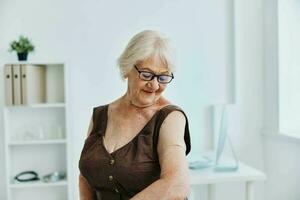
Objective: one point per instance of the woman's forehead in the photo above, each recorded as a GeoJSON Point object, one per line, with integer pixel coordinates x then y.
{"type": "Point", "coordinates": [156, 65]}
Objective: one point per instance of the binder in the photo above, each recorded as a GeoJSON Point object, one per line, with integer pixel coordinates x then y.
{"type": "Point", "coordinates": [8, 85]}
{"type": "Point", "coordinates": [16, 85]}
{"type": "Point", "coordinates": [33, 84]}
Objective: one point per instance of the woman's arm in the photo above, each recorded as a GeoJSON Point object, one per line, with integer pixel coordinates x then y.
{"type": "Point", "coordinates": [174, 180]}
{"type": "Point", "coordinates": [85, 190]}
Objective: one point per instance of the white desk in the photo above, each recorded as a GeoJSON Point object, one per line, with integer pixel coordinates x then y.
{"type": "Point", "coordinates": [209, 177]}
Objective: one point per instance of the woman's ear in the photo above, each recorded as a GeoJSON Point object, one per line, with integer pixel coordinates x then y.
{"type": "Point", "coordinates": [127, 73]}
{"type": "Point", "coordinates": [125, 76]}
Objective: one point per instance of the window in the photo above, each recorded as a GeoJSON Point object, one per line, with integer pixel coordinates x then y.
{"type": "Point", "coordinates": [289, 66]}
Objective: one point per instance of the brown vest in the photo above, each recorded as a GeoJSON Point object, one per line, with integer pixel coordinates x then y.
{"type": "Point", "coordinates": [128, 170]}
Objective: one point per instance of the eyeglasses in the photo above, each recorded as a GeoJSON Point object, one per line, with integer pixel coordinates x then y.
{"type": "Point", "coordinates": [149, 76]}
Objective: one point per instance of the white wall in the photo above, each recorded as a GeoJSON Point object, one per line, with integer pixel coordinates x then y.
{"type": "Point", "coordinates": [271, 101]}
{"type": "Point", "coordinates": [89, 36]}
{"type": "Point", "coordinates": [249, 79]}
{"type": "Point", "coordinates": [280, 151]}
{"type": "Point", "coordinates": [249, 73]}
{"type": "Point", "coordinates": [282, 167]}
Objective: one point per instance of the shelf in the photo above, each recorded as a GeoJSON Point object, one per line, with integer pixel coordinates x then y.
{"type": "Point", "coordinates": [39, 105]}
{"type": "Point", "coordinates": [37, 142]}
{"type": "Point", "coordinates": [35, 128]}
{"type": "Point", "coordinates": [38, 184]}
{"type": "Point", "coordinates": [35, 63]}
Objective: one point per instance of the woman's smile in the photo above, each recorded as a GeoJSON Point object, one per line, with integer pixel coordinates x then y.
{"type": "Point", "coordinates": [149, 92]}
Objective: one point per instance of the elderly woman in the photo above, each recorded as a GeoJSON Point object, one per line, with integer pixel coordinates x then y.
{"type": "Point", "coordinates": [137, 145]}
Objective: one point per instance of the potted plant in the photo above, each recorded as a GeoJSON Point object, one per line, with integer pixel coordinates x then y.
{"type": "Point", "coordinates": [23, 46]}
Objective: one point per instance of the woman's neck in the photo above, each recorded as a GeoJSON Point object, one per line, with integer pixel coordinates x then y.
{"type": "Point", "coordinates": [131, 106]}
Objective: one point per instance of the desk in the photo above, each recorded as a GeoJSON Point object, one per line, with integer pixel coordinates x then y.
{"type": "Point", "coordinates": [209, 177]}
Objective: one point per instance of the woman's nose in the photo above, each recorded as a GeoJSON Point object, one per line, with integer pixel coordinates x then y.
{"type": "Point", "coordinates": [154, 84]}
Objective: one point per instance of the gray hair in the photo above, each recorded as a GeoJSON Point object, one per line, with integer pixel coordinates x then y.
{"type": "Point", "coordinates": [144, 45]}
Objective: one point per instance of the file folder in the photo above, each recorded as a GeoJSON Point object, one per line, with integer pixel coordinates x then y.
{"type": "Point", "coordinates": [33, 84]}
{"type": "Point", "coordinates": [16, 85]}
{"type": "Point", "coordinates": [8, 73]}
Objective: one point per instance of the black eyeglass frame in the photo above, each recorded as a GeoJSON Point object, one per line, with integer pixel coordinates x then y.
{"type": "Point", "coordinates": [154, 75]}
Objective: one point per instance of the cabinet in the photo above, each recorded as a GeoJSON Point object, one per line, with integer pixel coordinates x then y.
{"type": "Point", "coordinates": [35, 132]}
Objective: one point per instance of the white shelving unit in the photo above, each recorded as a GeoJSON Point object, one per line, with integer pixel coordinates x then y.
{"type": "Point", "coordinates": [36, 139]}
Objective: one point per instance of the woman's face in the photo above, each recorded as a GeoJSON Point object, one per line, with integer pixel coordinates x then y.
{"type": "Point", "coordinates": [146, 93]}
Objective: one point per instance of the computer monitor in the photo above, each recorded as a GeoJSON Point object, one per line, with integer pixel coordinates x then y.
{"type": "Point", "coordinates": [223, 137]}
{"type": "Point", "coordinates": [207, 161]}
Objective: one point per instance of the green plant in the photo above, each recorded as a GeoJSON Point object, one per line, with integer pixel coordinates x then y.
{"type": "Point", "coordinates": [23, 45]}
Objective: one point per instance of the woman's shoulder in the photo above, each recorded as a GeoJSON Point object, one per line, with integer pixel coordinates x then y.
{"type": "Point", "coordinates": [100, 107]}
{"type": "Point", "coordinates": [171, 107]}
{"type": "Point", "coordinates": [171, 116]}
{"type": "Point", "coordinates": [172, 112]}
{"type": "Point", "coordinates": [111, 105]}
{"type": "Point", "coordinates": [105, 108]}
{"type": "Point", "coordinates": [167, 105]}
{"type": "Point", "coordinates": [99, 111]}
